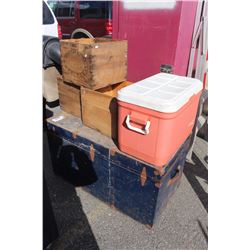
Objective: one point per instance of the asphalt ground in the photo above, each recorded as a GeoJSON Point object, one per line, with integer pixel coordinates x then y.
{"type": "Point", "coordinates": [84, 222]}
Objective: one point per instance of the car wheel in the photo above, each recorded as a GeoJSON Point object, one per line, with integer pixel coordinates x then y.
{"type": "Point", "coordinates": [80, 35]}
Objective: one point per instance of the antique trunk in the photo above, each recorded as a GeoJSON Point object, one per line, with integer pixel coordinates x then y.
{"type": "Point", "coordinates": [86, 158]}
{"type": "Point", "coordinates": [94, 62]}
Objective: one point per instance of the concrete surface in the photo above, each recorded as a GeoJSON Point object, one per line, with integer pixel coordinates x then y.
{"type": "Point", "coordinates": [84, 222]}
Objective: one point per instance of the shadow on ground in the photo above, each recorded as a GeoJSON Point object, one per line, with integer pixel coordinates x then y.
{"type": "Point", "coordinates": [72, 225]}
{"type": "Point", "coordinates": [192, 171]}
{"type": "Point", "coordinates": [203, 230]}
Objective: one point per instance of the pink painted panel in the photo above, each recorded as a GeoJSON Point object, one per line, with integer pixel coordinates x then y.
{"type": "Point", "coordinates": [153, 36]}
{"type": "Point", "coordinates": [184, 40]}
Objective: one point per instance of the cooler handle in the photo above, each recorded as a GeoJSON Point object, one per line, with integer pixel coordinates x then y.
{"type": "Point", "coordinates": [144, 132]}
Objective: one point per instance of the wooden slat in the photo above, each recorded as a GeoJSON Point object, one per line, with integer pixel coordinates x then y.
{"type": "Point", "coordinates": [99, 111]}
{"type": "Point", "coordinates": [69, 98]}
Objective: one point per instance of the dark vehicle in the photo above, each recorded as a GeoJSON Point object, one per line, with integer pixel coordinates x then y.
{"type": "Point", "coordinates": [83, 18]}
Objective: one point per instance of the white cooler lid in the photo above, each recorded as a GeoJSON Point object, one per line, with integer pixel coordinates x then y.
{"type": "Point", "coordinates": [161, 92]}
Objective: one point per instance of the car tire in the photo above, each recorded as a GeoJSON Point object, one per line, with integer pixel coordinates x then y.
{"type": "Point", "coordinates": [81, 33]}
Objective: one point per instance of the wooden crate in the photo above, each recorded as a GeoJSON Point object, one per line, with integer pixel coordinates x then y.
{"type": "Point", "coordinates": [69, 97]}
{"type": "Point", "coordinates": [99, 108]}
{"type": "Point", "coordinates": [94, 63]}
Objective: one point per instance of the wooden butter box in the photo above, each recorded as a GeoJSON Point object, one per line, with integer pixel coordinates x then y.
{"type": "Point", "coordinates": [94, 62]}
{"type": "Point", "coordinates": [99, 108]}
{"type": "Point", "coordinates": [96, 108]}
{"type": "Point", "coordinates": [91, 160]}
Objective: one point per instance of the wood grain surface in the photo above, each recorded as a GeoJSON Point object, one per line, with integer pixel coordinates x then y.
{"type": "Point", "coordinates": [94, 63]}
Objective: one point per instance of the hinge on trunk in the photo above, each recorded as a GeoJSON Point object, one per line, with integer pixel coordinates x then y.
{"type": "Point", "coordinates": [92, 152]}
{"type": "Point", "coordinates": [143, 176]}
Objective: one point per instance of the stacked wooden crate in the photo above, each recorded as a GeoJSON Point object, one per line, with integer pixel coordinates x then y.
{"type": "Point", "coordinates": [93, 70]}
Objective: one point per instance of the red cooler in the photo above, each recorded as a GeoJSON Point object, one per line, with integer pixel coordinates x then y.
{"type": "Point", "coordinates": [156, 115]}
